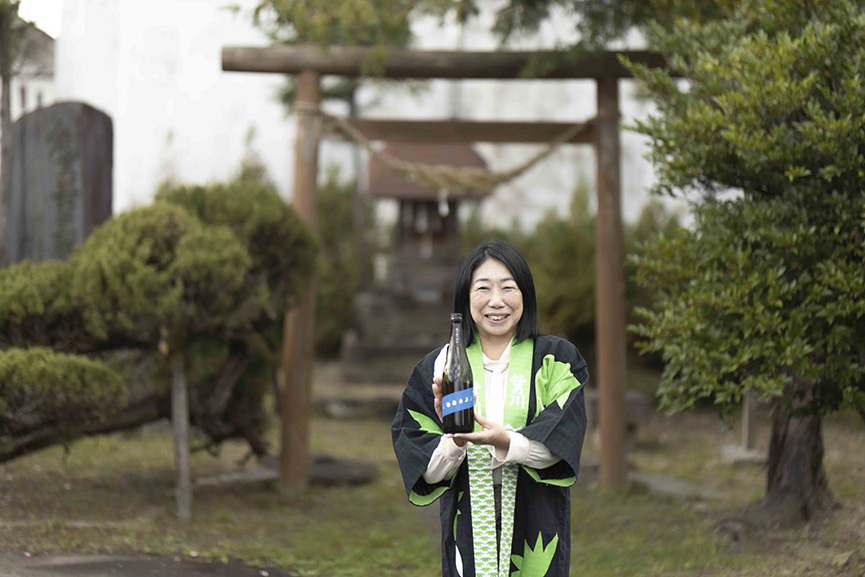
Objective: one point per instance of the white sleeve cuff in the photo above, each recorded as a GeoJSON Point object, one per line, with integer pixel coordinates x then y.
{"type": "Point", "coordinates": [519, 449]}
{"type": "Point", "coordinates": [450, 450]}
{"type": "Point", "coordinates": [524, 451]}
{"type": "Point", "coordinates": [445, 461]}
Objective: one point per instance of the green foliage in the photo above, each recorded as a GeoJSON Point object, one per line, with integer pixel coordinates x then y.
{"type": "Point", "coordinates": [281, 247]}
{"type": "Point", "coordinates": [209, 271]}
{"type": "Point", "coordinates": [381, 23]}
{"type": "Point", "coordinates": [770, 283]}
{"type": "Point", "coordinates": [561, 253]}
{"type": "Point", "coordinates": [279, 256]}
{"type": "Point", "coordinates": [37, 308]}
{"type": "Point", "coordinates": [187, 263]}
{"type": "Point", "coordinates": [653, 221]}
{"type": "Point", "coordinates": [211, 266]}
{"type": "Point", "coordinates": [339, 267]}
{"type": "Point", "coordinates": [375, 23]}
{"type": "Point", "coordinates": [562, 256]}
{"type": "Point", "coordinates": [792, 93]}
{"type": "Point", "coordinates": [38, 386]}
{"type": "Point", "coordinates": [328, 22]}
{"type": "Point", "coordinates": [121, 279]}
{"type": "Point", "coordinates": [598, 23]}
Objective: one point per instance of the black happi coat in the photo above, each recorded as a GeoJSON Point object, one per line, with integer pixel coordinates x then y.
{"type": "Point", "coordinates": [556, 417]}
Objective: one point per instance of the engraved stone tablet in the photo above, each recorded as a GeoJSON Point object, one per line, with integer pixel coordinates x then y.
{"type": "Point", "coordinates": [61, 180]}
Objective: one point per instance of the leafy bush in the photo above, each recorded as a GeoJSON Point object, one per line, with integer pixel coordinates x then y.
{"type": "Point", "coordinates": [561, 253]}
{"type": "Point", "coordinates": [207, 271]}
{"type": "Point", "coordinates": [281, 247]}
{"type": "Point", "coordinates": [121, 278]}
{"type": "Point", "coordinates": [36, 308]}
{"type": "Point", "coordinates": [40, 387]}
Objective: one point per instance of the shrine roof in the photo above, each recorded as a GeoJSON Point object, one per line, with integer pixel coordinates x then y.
{"type": "Point", "coordinates": [387, 183]}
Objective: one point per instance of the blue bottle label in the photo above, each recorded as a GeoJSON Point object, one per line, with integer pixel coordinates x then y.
{"type": "Point", "coordinates": [458, 401]}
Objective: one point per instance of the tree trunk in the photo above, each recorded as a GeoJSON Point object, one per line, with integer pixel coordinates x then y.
{"type": "Point", "coordinates": [150, 410]}
{"type": "Point", "coordinates": [6, 16]}
{"type": "Point", "coordinates": [797, 488]}
{"type": "Point", "coordinates": [149, 401]}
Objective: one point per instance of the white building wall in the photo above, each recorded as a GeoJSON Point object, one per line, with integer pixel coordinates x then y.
{"type": "Point", "coordinates": [28, 94]}
{"type": "Point", "coordinates": [32, 83]}
{"type": "Point", "coordinates": [155, 68]}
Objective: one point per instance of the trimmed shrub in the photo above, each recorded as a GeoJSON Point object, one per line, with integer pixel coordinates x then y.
{"type": "Point", "coordinates": [42, 388]}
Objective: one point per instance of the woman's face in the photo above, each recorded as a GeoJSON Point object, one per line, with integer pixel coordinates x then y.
{"type": "Point", "coordinates": [495, 300]}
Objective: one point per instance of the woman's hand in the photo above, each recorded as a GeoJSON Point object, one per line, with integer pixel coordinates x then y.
{"type": "Point", "coordinates": [490, 434]}
{"type": "Point", "coordinates": [437, 392]}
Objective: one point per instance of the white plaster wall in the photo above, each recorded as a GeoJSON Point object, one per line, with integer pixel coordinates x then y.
{"type": "Point", "coordinates": [38, 90]}
{"type": "Point", "coordinates": [155, 68]}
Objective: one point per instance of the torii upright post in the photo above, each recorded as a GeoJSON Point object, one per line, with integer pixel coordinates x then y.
{"type": "Point", "coordinates": [610, 291]}
{"type": "Point", "coordinates": [299, 323]}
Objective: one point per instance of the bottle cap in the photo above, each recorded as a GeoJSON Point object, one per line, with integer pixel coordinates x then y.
{"type": "Point", "coordinates": [456, 317]}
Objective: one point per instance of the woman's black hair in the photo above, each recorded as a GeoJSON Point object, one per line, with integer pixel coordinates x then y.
{"type": "Point", "coordinates": [527, 327]}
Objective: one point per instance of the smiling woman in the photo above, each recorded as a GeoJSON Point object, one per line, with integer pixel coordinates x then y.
{"type": "Point", "coordinates": [496, 304]}
{"type": "Point", "coordinates": [505, 504]}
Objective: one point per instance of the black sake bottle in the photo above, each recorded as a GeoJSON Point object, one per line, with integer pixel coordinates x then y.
{"type": "Point", "coordinates": [458, 415]}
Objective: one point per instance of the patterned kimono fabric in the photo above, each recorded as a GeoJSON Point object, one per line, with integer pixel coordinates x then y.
{"type": "Point", "coordinates": [487, 563]}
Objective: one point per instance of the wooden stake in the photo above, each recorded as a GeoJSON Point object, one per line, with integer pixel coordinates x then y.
{"type": "Point", "coordinates": [610, 291]}
{"type": "Point", "coordinates": [299, 323]}
{"type": "Point", "coordinates": [180, 428]}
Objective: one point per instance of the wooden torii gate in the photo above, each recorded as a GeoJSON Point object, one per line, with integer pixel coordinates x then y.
{"type": "Point", "coordinates": [309, 63]}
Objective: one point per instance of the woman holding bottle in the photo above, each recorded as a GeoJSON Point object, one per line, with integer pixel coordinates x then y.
{"type": "Point", "coordinates": [503, 488]}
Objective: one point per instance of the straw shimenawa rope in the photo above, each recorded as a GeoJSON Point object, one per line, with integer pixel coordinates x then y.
{"type": "Point", "coordinates": [459, 181]}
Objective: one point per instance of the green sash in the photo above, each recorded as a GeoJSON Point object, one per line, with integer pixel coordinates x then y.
{"type": "Point", "coordinates": [517, 388]}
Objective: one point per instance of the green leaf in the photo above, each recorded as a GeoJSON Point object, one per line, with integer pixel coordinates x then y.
{"type": "Point", "coordinates": [426, 424]}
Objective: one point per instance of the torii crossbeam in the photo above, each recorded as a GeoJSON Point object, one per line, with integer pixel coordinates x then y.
{"type": "Point", "coordinates": [309, 63]}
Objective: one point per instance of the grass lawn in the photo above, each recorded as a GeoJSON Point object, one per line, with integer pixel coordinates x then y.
{"type": "Point", "coordinates": [113, 494]}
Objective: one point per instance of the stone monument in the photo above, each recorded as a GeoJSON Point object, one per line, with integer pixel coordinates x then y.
{"type": "Point", "coordinates": [60, 180]}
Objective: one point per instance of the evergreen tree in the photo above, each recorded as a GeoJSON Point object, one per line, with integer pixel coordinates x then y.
{"type": "Point", "coordinates": [767, 291]}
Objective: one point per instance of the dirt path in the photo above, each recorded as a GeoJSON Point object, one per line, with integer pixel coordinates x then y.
{"type": "Point", "coordinates": [12, 565]}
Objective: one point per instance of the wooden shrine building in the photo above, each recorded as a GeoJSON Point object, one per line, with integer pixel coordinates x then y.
{"type": "Point", "coordinates": [405, 315]}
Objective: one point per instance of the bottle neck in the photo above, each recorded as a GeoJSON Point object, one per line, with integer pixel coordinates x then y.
{"type": "Point", "coordinates": [456, 333]}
